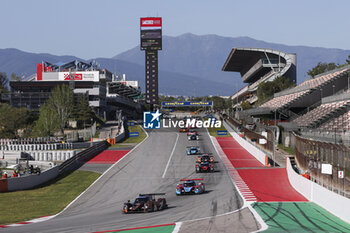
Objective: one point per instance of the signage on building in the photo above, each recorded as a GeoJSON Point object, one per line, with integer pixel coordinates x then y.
{"type": "Point", "coordinates": [134, 84]}
{"type": "Point", "coordinates": [151, 33]}
{"type": "Point", "coordinates": [79, 76]}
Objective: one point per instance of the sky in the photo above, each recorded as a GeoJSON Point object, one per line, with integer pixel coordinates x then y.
{"type": "Point", "coordinates": [104, 28]}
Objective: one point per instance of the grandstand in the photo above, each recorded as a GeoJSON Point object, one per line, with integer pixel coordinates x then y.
{"type": "Point", "coordinates": [256, 66]}
{"type": "Point", "coordinates": [317, 108]}
{"type": "Point", "coordinates": [294, 102]}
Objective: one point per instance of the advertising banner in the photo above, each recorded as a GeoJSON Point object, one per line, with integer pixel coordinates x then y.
{"type": "Point", "coordinates": [187, 103]}
{"type": "Point", "coordinates": [79, 76]}
{"type": "Point", "coordinates": [151, 33]}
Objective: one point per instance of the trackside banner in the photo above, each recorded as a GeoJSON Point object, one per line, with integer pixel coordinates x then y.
{"type": "Point", "coordinates": [186, 103]}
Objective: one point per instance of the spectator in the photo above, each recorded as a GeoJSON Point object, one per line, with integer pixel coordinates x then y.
{"type": "Point", "coordinates": [4, 176]}
{"type": "Point", "coordinates": [14, 174]}
{"type": "Point", "coordinates": [31, 169]}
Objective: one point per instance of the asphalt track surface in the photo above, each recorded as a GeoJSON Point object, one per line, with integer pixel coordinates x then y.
{"type": "Point", "coordinates": [141, 171]}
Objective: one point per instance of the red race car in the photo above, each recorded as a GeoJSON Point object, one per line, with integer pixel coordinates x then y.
{"type": "Point", "coordinates": [183, 129]}
{"type": "Point", "coordinates": [145, 203]}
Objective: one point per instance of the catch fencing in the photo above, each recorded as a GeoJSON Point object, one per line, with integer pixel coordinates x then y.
{"type": "Point", "coordinates": [311, 154]}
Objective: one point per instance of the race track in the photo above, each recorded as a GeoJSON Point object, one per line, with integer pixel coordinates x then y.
{"type": "Point", "coordinates": [142, 171]}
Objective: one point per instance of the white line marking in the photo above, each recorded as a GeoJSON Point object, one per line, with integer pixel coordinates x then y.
{"type": "Point", "coordinates": [177, 227]}
{"type": "Point", "coordinates": [171, 155]}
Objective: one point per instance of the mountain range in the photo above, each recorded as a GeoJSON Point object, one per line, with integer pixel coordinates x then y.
{"type": "Point", "coordinates": [188, 64]}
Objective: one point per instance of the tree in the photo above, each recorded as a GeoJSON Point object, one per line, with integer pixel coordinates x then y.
{"type": "Point", "coordinates": [246, 105]}
{"type": "Point", "coordinates": [82, 111]}
{"type": "Point", "coordinates": [46, 125]}
{"type": "Point", "coordinates": [12, 120]}
{"type": "Point", "coordinates": [267, 89]}
{"type": "Point", "coordinates": [62, 102]}
{"type": "Point", "coordinates": [321, 68]}
{"type": "Point", "coordinates": [348, 60]}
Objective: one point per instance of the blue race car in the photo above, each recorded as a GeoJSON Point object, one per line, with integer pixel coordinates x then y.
{"type": "Point", "coordinates": [190, 187]}
{"type": "Point", "coordinates": [193, 150]}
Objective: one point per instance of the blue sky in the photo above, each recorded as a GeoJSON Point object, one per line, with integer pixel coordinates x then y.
{"type": "Point", "coordinates": [104, 28]}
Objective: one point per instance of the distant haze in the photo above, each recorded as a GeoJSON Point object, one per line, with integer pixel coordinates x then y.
{"type": "Point", "coordinates": [188, 64]}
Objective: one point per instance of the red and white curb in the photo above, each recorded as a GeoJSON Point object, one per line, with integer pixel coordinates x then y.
{"type": "Point", "coordinates": [242, 188]}
{"type": "Point", "coordinates": [247, 194]}
{"type": "Point", "coordinates": [41, 219]}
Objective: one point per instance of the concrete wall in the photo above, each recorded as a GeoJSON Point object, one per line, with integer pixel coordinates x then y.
{"type": "Point", "coordinates": [258, 154]}
{"type": "Point", "coordinates": [30, 181]}
{"type": "Point", "coordinates": [334, 203]}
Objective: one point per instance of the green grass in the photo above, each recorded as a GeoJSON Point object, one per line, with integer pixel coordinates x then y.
{"type": "Point", "coordinates": [140, 138]}
{"type": "Point", "coordinates": [214, 131]}
{"type": "Point", "coordinates": [289, 150]}
{"type": "Point", "coordinates": [47, 200]}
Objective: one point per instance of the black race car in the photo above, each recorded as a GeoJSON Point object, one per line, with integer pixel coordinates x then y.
{"type": "Point", "coordinates": [205, 163]}
{"type": "Point", "coordinates": [192, 137]}
{"type": "Point", "coordinates": [145, 203]}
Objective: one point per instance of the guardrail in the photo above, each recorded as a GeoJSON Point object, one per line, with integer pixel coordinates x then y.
{"type": "Point", "coordinates": [76, 161]}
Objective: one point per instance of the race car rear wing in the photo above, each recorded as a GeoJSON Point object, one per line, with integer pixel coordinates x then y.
{"type": "Point", "coordinates": [192, 146]}
{"type": "Point", "coordinates": [151, 194]}
{"type": "Point", "coordinates": [191, 179]}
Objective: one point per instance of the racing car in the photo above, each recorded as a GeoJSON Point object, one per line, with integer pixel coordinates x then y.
{"type": "Point", "coordinates": [190, 187]}
{"type": "Point", "coordinates": [183, 129]}
{"type": "Point", "coordinates": [192, 137]}
{"type": "Point", "coordinates": [192, 132]}
{"type": "Point", "coordinates": [205, 163]}
{"type": "Point", "coordinates": [193, 150]}
{"type": "Point", "coordinates": [145, 203]}
{"type": "Point", "coordinates": [205, 157]}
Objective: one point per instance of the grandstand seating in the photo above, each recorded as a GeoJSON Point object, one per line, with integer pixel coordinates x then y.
{"type": "Point", "coordinates": [320, 113]}
{"type": "Point", "coordinates": [318, 81]}
{"type": "Point", "coordinates": [282, 101]}
{"type": "Point", "coordinates": [289, 96]}
{"type": "Point", "coordinates": [340, 123]}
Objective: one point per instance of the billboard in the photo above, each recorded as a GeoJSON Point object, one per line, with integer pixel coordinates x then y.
{"type": "Point", "coordinates": [79, 76]}
{"type": "Point", "coordinates": [134, 84]}
{"type": "Point", "coordinates": [151, 33]}
{"type": "Point", "coordinates": [187, 103]}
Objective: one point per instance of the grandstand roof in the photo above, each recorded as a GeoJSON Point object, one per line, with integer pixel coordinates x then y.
{"type": "Point", "coordinates": [254, 63]}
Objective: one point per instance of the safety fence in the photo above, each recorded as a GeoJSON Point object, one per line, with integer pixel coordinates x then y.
{"type": "Point", "coordinates": [311, 155]}
{"type": "Point", "coordinates": [78, 159]}
{"type": "Point", "coordinates": [253, 136]}
{"type": "Point", "coordinates": [24, 141]}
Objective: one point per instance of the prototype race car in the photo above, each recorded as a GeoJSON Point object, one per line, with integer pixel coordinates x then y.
{"type": "Point", "coordinates": [204, 167]}
{"type": "Point", "coordinates": [205, 163]}
{"type": "Point", "coordinates": [145, 203]}
{"type": "Point", "coordinates": [192, 137]}
{"type": "Point", "coordinates": [193, 150]}
{"type": "Point", "coordinates": [183, 129]}
{"type": "Point", "coordinates": [192, 132]}
{"type": "Point", "coordinates": [205, 158]}
{"type": "Point", "coordinates": [190, 187]}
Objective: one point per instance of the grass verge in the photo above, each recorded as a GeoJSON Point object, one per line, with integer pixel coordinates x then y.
{"type": "Point", "coordinates": [140, 138]}
{"type": "Point", "coordinates": [214, 131]}
{"type": "Point", "coordinates": [46, 200]}
{"type": "Point", "coordinates": [289, 150]}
